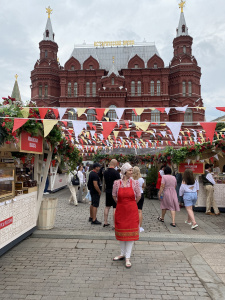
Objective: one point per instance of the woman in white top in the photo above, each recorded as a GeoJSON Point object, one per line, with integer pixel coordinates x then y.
{"type": "Point", "coordinates": [137, 176]}
{"type": "Point", "coordinates": [81, 179]}
{"type": "Point", "coordinates": [189, 191]}
{"type": "Point", "coordinates": [73, 197]}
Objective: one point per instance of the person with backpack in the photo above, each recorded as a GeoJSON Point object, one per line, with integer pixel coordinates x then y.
{"type": "Point", "coordinates": [71, 179]}
{"type": "Point", "coordinates": [189, 191]}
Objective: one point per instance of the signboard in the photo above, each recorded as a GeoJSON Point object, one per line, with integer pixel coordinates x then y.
{"type": "Point", "coordinates": [197, 168]}
{"type": "Point", "coordinates": [6, 222]}
{"type": "Point", "coordinates": [31, 144]}
{"type": "Point", "coordinates": [114, 43]}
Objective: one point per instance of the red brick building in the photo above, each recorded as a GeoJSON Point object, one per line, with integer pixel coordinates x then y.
{"type": "Point", "coordinates": [120, 76]}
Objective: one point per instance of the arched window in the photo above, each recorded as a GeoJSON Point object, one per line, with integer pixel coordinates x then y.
{"type": "Point", "coordinates": [75, 89]}
{"type": "Point", "coordinates": [112, 113]}
{"type": "Point", "coordinates": [184, 88]}
{"type": "Point", "coordinates": [72, 115]}
{"type": "Point", "coordinates": [47, 33]}
{"type": "Point", "coordinates": [136, 66]}
{"type": "Point", "coordinates": [72, 68]}
{"type": "Point", "coordinates": [155, 66]}
{"type": "Point", "coordinates": [188, 117]}
{"type": "Point", "coordinates": [158, 88]}
{"type": "Point", "coordinates": [132, 88]}
{"type": "Point", "coordinates": [113, 81]}
{"type": "Point", "coordinates": [40, 91]}
{"type": "Point", "coordinates": [91, 115]}
{"type": "Point", "coordinates": [139, 88]}
{"type": "Point", "coordinates": [184, 49]}
{"type": "Point", "coordinates": [155, 116]}
{"type": "Point", "coordinates": [46, 90]}
{"type": "Point", "coordinates": [46, 53]}
{"type": "Point", "coordinates": [152, 88]}
{"type": "Point", "coordinates": [93, 89]}
{"type": "Point", "coordinates": [69, 89]}
{"type": "Point", "coordinates": [183, 28]}
{"type": "Point", "coordinates": [87, 89]}
{"type": "Point", "coordinates": [189, 88]}
{"type": "Point", "coordinates": [135, 118]}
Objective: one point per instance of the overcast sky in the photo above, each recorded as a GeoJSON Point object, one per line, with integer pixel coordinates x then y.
{"type": "Point", "coordinates": [22, 24]}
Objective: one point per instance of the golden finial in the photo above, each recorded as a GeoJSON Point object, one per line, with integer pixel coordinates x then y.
{"type": "Point", "coordinates": [49, 11]}
{"type": "Point", "coordinates": [57, 59]}
{"type": "Point", "coordinates": [16, 76]}
{"type": "Point", "coordinates": [113, 59]}
{"type": "Point", "coordinates": [181, 5]}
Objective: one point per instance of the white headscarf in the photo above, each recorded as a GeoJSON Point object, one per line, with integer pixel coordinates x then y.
{"type": "Point", "coordinates": [125, 167]}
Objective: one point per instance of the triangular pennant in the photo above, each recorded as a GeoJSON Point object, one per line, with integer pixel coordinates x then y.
{"type": "Point", "coordinates": [48, 125]}
{"type": "Point", "coordinates": [161, 109]}
{"type": "Point", "coordinates": [80, 111]}
{"type": "Point", "coordinates": [119, 112]}
{"type": "Point", "coordinates": [220, 108]}
{"type": "Point", "coordinates": [25, 112]}
{"type": "Point", "coordinates": [116, 133]}
{"type": "Point", "coordinates": [78, 126]}
{"type": "Point", "coordinates": [182, 109]}
{"type": "Point", "coordinates": [92, 133]}
{"type": "Point", "coordinates": [100, 113]}
{"type": "Point", "coordinates": [42, 112]}
{"type": "Point", "coordinates": [61, 111]}
{"type": "Point", "coordinates": [18, 123]}
{"type": "Point", "coordinates": [106, 110]}
{"type": "Point", "coordinates": [127, 123]}
{"type": "Point", "coordinates": [127, 133]}
{"type": "Point", "coordinates": [209, 128]}
{"type": "Point", "coordinates": [175, 129]}
{"type": "Point", "coordinates": [139, 133]}
{"type": "Point", "coordinates": [142, 125]}
{"type": "Point", "coordinates": [167, 110]}
{"type": "Point", "coordinates": [139, 111]}
{"type": "Point", "coordinates": [163, 133]}
{"type": "Point", "coordinates": [65, 123]}
{"type": "Point", "coordinates": [56, 112]}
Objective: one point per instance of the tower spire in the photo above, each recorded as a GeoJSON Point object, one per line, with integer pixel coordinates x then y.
{"type": "Point", "coordinates": [48, 34]}
{"type": "Point", "coordinates": [16, 90]}
{"type": "Point", "coordinates": [182, 27]}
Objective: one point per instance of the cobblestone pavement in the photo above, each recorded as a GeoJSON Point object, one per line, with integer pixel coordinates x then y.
{"type": "Point", "coordinates": [80, 266]}
{"type": "Point", "coordinates": [83, 269]}
{"type": "Point", "coordinates": [72, 217]}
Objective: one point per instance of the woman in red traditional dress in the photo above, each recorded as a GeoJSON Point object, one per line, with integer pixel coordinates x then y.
{"type": "Point", "coordinates": [126, 192]}
{"type": "Point", "coordinates": [160, 175]}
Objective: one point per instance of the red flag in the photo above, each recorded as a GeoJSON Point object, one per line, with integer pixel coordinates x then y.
{"type": "Point", "coordinates": [212, 159]}
{"type": "Point", "coordinates": [23, 159]}
{"type": "Point", "coordinates": [220, 108]}
{"type": "Point", "coordinates": [90, 124]}
{"type": "Point", "coordinates": [56, 112]}
{"type": "Point", "coordinates": [42, 112]}
{"type": "Point", "coordinates": [65, 123]}
{"type": "Point", "coordinates": [18, 123]}
{"type": "Point", "coordinates": [134, 111]}
{"type": "Point", "coordinates": [108, 128]}
{"type": "Point", "coordinates": [139, 133]}
{"type": "Point", "coordinates": [161, 109]}
{"type": "Point", "coordinates": [100, 113]}
{"type": "Point", "coordinates": [127, 123]}
{"type": "Point", "coordinates": [209, 128]}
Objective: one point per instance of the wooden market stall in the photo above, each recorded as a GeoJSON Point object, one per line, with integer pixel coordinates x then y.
{"type": "Point", "coordinates": [21, 196]}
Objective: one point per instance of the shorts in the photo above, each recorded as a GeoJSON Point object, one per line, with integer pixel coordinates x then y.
{"type": "Point", "coordinates": [95, 199]}
{"type": "Point", "coordinates": [109, 201]}
{"type": "Point", "coordinates": [190, 199]}
{"type": "Point", "coordinates": [141, 202]}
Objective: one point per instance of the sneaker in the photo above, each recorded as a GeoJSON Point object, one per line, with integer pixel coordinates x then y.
{"type": "Point", "coordinates": [96, 222]}
{"type": "Point", "coordinates": [141, 229]}
{"type": "Point", "coordinates": [186, 222]}
{"type": "Point", "coordinates": [90, 219]}
{"type": "Point", "coordinates": [46, 193]}
{"type": "Point", "coordinates": [210, 213]}
{"type": "Point", "coordinates": [194, 226]}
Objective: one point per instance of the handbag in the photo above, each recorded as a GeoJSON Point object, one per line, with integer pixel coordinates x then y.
{"type": "Point", "coordinates": [75, 180]}
{"type": "Point", "coordinates": [88, 196]}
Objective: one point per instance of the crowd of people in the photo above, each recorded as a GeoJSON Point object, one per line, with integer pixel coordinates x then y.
{"type": "Point", "coordinates": [124, 191]}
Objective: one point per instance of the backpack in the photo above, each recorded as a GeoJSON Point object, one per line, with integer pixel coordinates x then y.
{"type": "Point", "coordinates": [75, 180]}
